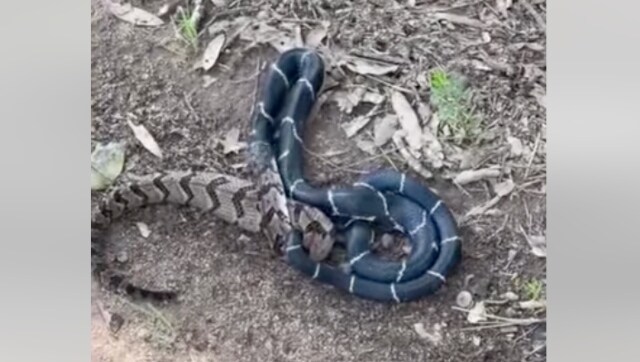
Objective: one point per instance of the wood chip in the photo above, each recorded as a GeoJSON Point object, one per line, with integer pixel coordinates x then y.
{"type": "Point", "coordinates": [353, 127]}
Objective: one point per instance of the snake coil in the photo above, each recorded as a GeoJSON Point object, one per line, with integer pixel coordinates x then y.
{"type": "Point", "coordinates": [388, 200]}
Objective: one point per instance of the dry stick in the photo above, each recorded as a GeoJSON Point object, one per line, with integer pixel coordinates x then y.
{"type": "Point", "coordinates": [533, 155]}
{"type": "Point", "coordinates": [225, 13]}
{"type": "Point", "coordinates": [190, 106]}
{"type": "Point", "coordinates": [398, 88]}
{"type": "Point", "coordinates": [534, 13]}
{"type": "Point", "coordinates": [513, 321]}
{"type": "Point", "coordinates": [380, 58]}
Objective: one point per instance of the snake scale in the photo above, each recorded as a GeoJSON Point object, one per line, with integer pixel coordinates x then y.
{"type": "Point", "coordinates": [301, 220]}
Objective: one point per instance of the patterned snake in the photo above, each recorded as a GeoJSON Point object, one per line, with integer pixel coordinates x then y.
{"type": "Point", "coordinates": [301, 220]}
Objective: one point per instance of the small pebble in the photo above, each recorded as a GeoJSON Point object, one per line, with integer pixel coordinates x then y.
{"type": "Point", "coordinates": [464, 299]}
{"type": "Point", "coordinates": [122, 257]}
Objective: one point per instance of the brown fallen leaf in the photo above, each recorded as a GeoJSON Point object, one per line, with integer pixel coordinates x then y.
{"type": "Point", "coordinates": [408, 120]}
{"type": "Point", "coordinates": [133, 15]}
{"type": "Point", "coordinates": [147, 140]}
{"type": "Point", "coordinates": [469, 176]}
{"type": "Point", "coordinates": [212, 52]}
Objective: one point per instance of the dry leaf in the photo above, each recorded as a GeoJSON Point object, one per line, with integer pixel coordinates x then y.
{"type": "Point", "coordinates": [133, 15]}
{"type": "Point", "coordinates": [516, 146]}
{"type": "Point", "coordinates": [504, 188]}
{"type": "Point", "coordinates": [365, 145]}
{"type": "Point", "coordinates": [362, 66]}
{"type": "Point", "coordinates": [383, 129]}
{"type": "Point", "coordinates": [477, 314]}
{"type": "Point", "coordinates": [373, 97]}
{"type": "Point", "coordinates": [212, 52]}
{"type": "Point", "coordinates": [316, 35]}
{"type": "Point", "coordinates": [144, 229]}
{"type": "Point", "coordinates": [469, 176]}
{"type": "Point", "coordinates": [147, 140]}
{"type": "Point", "coordinates": [537, 243]}
{"type": "Point", "coordinates": [503, 5]}
{"type": "Point", "coordinates": [107, 162]}
{"type": "Point", "coordinates": [435, 337]}
{"type": "Point", "coordinates": [219, 3]}
{"type": "Point", "coordinates": [347, 101]}
{"type": "Point", "coordinates": [230, 143]}
{"type": "Point", "coordinates": [406, 154]}
{"type": "Point", "coordinates": [408, 120]}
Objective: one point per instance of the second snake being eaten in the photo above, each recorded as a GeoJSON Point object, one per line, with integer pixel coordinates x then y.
{"type": "Point", "coordinates": [299, 219]}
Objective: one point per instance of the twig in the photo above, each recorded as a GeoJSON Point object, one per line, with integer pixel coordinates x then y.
{"type": "Point", "coordinates": [398, 88]}
{"type": "Point", "coordinates": [225, 13]}
{"type": "Point", "coordinates": [459, 19]}
{"type": "Point", "coordinates": [191, 109]}
{"type": "Point", "coordinates": [533, 154]}
{"type": "Point", "coordinates": [380, 58]}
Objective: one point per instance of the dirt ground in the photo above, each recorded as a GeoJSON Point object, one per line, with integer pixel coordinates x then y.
{"type": "Point", "coordinates": [238, 301]}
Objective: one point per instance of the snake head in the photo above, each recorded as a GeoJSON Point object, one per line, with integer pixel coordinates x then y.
{"type": "Point", "coordinates": [318, 232]}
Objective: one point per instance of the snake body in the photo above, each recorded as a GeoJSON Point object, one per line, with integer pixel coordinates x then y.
{"type": "Point", "coordinates": [295, 215]}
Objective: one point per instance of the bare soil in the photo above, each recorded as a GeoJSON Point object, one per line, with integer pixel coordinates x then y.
{"type": "Point", "coordinates": [238, 301]}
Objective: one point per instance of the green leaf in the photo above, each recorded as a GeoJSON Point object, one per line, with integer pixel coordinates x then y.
{"type": "Point", "coordinates": [107, 162]}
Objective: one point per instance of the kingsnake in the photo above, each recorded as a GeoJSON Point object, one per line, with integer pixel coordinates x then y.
{"type": "Point", "coordinates": [298, 217]}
